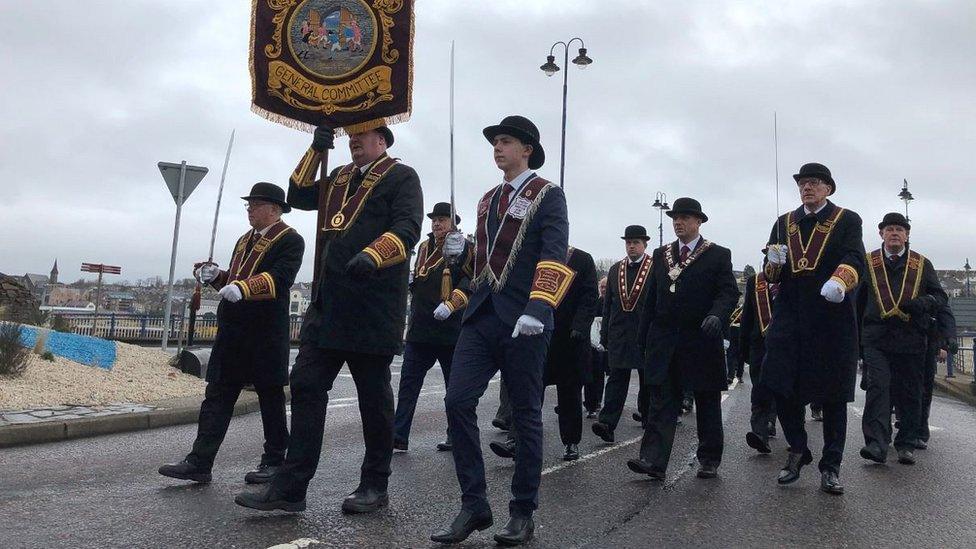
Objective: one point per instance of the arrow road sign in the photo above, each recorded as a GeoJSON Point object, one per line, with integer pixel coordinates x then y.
{"type": "Point", "coordinates": [171, 174]}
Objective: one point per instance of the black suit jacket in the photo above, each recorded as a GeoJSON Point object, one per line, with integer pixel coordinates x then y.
{"type": "Point", "coordinates": [619, 329]}
{"type": "Point", "coordinates": [670, 327]}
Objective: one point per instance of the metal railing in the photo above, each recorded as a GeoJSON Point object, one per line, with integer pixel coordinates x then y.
{"type": "Point", "coordinates": [136, 328]}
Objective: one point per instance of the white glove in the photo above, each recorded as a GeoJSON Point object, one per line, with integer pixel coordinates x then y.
{"type": "Point", "coordinates": [833, 291]}
{"type": "Point", "coordinates": [527, 325]}
{"type": "Point", "coordinates": [207, 272]}
{"type": "Point", "coordinates": [776, 254]}
{"type": "Point", "coordinates": [600, 347]}
{"type": "Point", "coordinates": [453, 244]}
{"type": "Point", "coordinates": [231, 293]}
{"type": "Point", "coordinates": [442, 312]}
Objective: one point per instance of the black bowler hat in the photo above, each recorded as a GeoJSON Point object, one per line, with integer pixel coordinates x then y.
{"type": "Point", "coordinates": [387, 135]}
{"type": "Point", "coordinates": [443, 209]}
{"type": "Point", "coordinates": [894, 218]}
{"type": "Point", "coordinates": [525, 131]}
{"type": "Point", "coordinates": [635, 231]}
{"type": "Point", "coordinates": [269, 192]}
{"type": "Point", "coordinates": [819, 171]}
{"type": "Point", "coordinates": [688, 206]}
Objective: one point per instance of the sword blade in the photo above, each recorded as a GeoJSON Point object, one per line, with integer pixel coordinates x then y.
{"type": "Point", "coordinates": [220, 194]}
{"type": "Point", "coordinates": [453, 216]}
{"type": "Point", "coordinates": [779, 238]}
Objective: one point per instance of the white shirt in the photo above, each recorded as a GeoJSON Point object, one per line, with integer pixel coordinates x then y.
{"type": "Point", "coordinates": [814, 211]}
{"type": "Point", "coordinates": [691, 245]}
{"type": "Point", "coordinates": [519, 180]}
{"type": "Point", "coordinates": [890, 255]}
{"type": "Point", "coordinates": [265, 230]}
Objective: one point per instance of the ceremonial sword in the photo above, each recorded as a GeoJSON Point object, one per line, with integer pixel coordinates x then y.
{"type": "Point", "coordinates": [454, 235]}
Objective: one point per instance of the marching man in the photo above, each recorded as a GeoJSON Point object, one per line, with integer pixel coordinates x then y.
{"type": "Point", "coordinates": [757, 313]}
{"type": "Point", "coordinates": [520, 279]}
{"type": "Point", "coordinates": [690, 296]}
{"type": "Point", "coordinates": [811, 342]}
{"type": "Point", "coordinates": [898, 307]}
{"type": "Point", "coordinates": [372, 212]}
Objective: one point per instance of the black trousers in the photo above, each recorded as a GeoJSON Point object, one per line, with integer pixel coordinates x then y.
{"type": "Point", "coordinates": [215, 415]}
{"type": "Point", "coordinates": [892, 379]}
{"type": "Point", "coordinates": [593, 390]}
{"type": "Point", "coordinates": [504, 411]}
{"type": "Point", "coordinates": [662, 419]}
{"type": "Point", "coordinates": [618, 384]}
{"type": "Point", "coordinates": [763, 416]}
{"type": "Point", "coordinates": [928, 384]}
{"type": "Point", "coordinates": [484, 347]}
{"type": "Point", "coordinates": [311, 380]}
{"type": "Point", "coordinates": [792, 415]}
{"type": "Point", "coordinates": [418, 358]}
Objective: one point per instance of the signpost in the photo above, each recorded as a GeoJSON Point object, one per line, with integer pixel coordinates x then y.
{"type": "Point", "coordinates": [181, 181]}
{"type": "Point", "coordinates": [100, 269]}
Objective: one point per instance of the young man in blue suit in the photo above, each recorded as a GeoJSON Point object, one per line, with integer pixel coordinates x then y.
{"type": "Point", "coordinates": [520, 276]}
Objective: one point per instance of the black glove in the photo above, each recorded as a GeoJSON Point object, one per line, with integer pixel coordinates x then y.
{"type": "Point", "coordinates": [712, 326]}
{"type": "Point", "coordinates": [323, 138]}
{"type": "Point", "coordinates": [576, 334]}
{"type": "Point", "coordinates": [921, 304]}
{"type": "Point", "coordinates": [361, 264]}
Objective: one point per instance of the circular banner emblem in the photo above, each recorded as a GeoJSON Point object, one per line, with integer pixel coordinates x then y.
{"type": "Point", "coordinates": [332, 38]}
{"type": "Point", "coordinates": [337, 219]}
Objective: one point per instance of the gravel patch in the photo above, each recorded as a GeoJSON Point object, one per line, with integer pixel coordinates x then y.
{"type": "Point", "coordinates": [140, 374]}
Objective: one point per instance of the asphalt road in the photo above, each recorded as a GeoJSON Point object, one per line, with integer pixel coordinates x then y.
{"type": "Point", "coordinates": [105, 492]}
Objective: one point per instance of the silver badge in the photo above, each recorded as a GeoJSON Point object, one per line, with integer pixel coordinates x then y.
{"type": "Point", "coordinates": [519, 208]}
{"type": "Point", "coordinates": [674, 273]}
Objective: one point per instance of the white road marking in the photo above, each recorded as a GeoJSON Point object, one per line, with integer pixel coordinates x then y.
{"type": "Point", "coordinates": [617, 446]}
{"type": "Point", "coordinates": [299, 543]}
{"type": "Point", "coordinates": [859, 412]}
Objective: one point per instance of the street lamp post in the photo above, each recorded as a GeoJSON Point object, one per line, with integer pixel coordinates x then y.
{"type": "Point", "coordinates": [906, 197]}
{"type": "Point", "coordinates": [967, 268]}
{"type": "Point", "coordinates": [661, 203]}
{"type": "Point", "coordinates": [550, 68]}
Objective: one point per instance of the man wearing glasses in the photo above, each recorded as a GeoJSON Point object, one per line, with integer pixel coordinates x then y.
{"type": "Point", "coordinates": [252, 336]}
{"type": "Point", "coordinates": [816, 254]}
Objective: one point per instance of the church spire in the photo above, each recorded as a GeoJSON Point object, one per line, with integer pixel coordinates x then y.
{"type": "Point", "coordinates": [54, 273]}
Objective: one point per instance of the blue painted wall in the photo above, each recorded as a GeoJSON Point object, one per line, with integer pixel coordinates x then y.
{"type": "Point", "coordinates": [79, 348]}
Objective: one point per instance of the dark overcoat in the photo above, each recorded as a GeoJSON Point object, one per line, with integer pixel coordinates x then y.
{"type": "Point", "coordinates": [670, 329]}
{"type": "Point", "coordinates": [253, 335]}
{"type": "Point", "coordinates": [425, 293]}
{"type": "Point", "coordinates": [363, 314]}
{"type": "Point", "coordinates": [569, 359]}
{"type": "Point", "coordinates": [812, 344]}
{"type": "Point", "coordinates": [618, 331]}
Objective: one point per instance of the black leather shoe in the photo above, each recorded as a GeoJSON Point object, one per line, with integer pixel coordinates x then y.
{"type": "Point", "coordinates": [758, 443]}
{"type": "Point", "coordinates": [603, 431]}
{"type": "Point", "coordinates": [500, 425]}
{"type": "Point", "coordinates": [830, 483]}
{"type": "Point", "coordinates": [687, 404]}
{"type": "Point", "coordinates": [644, 468]}
{"type": "Point", "coordinates": [463, 525]}
{"type": "Point", "coordinates": [365, 500]}
{"type": "Point", "coordinates": [637, 417]}
{"type": "Point", "coordinates": [445, 446]}
{"type": "Point", "coordinates": [572, 453]}
{"type": "Point", "coordinates": [262, 475]}
{"type": "Point", "coordinates": [816, 414]}
{"type": "Point", "coordinates": [772, 429]}
{"type": "Point", "coordinates": [517, 531]}
{"type": "Point", "coordinates": [269, 500]}
{"type": "Point", "coordinates": [906, 456]}
{"type": "Point", "coordinates": [873, 453]}
{"type": "Point", "coordinates": [505, 449]}
{"type": "Point", "coordinates": [921, 445]}
{"type": "Point", "coordinates": [795, 462]}
{"type": "Point", "coordinates": [707, 471]}
{"type": "Point", "coordinates": [185, 470]}
{"type": "Point", "coordinates": [399, 446]}
{"type": "Point", "coordinates": [591, 414]}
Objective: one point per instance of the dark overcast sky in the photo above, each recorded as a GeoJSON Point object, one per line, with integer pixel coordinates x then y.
{"type": "Point", "coordinates": [680, 99]}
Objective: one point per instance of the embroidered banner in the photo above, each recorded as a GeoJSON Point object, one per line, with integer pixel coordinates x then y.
{"type": "Point", "coordinates": [347, 64]}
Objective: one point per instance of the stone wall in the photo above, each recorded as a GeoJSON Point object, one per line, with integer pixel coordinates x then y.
{"type": "Point", "coordinates": [16, 302]}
